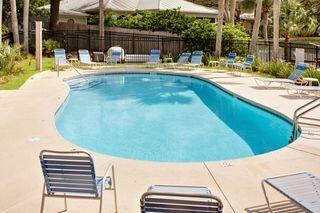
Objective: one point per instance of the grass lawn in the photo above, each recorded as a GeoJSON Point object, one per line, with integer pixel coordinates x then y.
{"type": "Point", "coordinates": [29, 65]}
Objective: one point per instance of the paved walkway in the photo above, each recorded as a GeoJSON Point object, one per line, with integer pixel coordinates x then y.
{"type": "Point", "coordinates": [27, 126]}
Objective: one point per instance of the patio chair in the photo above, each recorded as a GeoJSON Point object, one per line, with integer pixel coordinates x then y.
{"type": "Point", "coordinates": [60, 58]}
{"type": "Point", "coordinates": [230, 60]}
{"type": "Point", "coordinates": [169, 198]}
{"type": "Point", "coordinates": [247, 64]}
{"type": "Point", "coordinates": [154, 57]}
{"type": "Point", "coordinates": [293, 78]}
{"type": "Point", "coordinates": [305, 89]}
{"type": "Point", "coordinates": [72, 175]}
{"type": "Point", "coordinates": [84, 57]}
{"type": "Point", "coordinates": [115, 57]}
{"type": "Point", "coordinates": [301, 188]}
{"type": "Point", "coordinates": [183, 59]}
{"type": "Point", "coordinates": [196, 59]}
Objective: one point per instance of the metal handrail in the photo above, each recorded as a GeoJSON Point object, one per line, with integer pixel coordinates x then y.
{"type": "Point", "coordinates": [298, 114]}
{"type": "Point", "coordinates": [79, 73]}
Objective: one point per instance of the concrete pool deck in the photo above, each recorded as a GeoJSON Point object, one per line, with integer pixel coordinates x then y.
{"type": "Point", "coordinates": [27, 126]}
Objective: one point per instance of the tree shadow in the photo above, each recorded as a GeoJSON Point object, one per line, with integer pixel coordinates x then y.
{"type": "Point", "coordinates": [277, 207]}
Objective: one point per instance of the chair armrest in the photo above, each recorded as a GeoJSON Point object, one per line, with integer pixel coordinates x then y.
{"type": "Point", "coordinates": [107, 180]}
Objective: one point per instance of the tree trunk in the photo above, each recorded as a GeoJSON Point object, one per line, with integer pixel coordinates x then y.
{"type": "Point", "coordinates": [233, 5]}
{"type": "Point", "coordinates": [14, 20]}
{"type": "Point", "coordinates": [227, 10]}
{"type": "Point", "coordinates": [265, 23]}
{"type": "Point", "coordinates": [26, 26]}
{"type": "Point", "coordinates": [101, 25]}
{"type": "Point", "coordinates": [54, 14]}
{"type": "Point", "coordinates": [276, 20]}
{"type": "Point", "coordinates": [256, 27]}
{"type": "Point", "coordinates": [219, 29]}
{"type": "Point", "coordinates": [1, 4]}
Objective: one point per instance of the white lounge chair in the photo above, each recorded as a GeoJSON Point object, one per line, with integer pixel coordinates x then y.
{"type": "Point", "coordinates": [183, 59]}
{"type": "Point", "coordinates": [196, 59]}
{"type": "Point", "coordinates": [60, 58]}
{"type": "Point", "coordinates": [85, 58]}
{"type": "Point", "coordinates": [230, 60]}
{"type": "Point", "coordinates": [72, 175]}
{"type": "Point", "coordinates": [305, 89]}
{"type": "Point", "coordinates": [169, 198]}
{"type": "Point", "coordinates": [301, 188]}
{"type": "Point", "coordinates": [293, 78]}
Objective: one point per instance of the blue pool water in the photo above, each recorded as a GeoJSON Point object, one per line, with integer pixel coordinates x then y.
{"type": "Point", "coordinates": [168, 119]}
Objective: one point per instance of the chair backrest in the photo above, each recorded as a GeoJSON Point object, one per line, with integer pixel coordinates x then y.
{"type": "Point", "coordinates": [179, 202]}
{"type": "Point", "coordinates": [231, 57]}
{"type": "Point", "coordinates": [69, 173]}
{"type": "Point", "coordinates": [60, 58]}
{"type": "Point", "coordinates": [116, 56]}
{"type": "Point", "coordinates": [298, 71]}
{"type": "Point", "coordinates": [183, 58]}
{"type": "Point", "coordinates": [155, 56]}
{"type": "Point", "coordinates": [249, 59]}
{"type": "Point", "coordinates": [196, 58]}
{"type": "Point", "coordinates": [84, 56]}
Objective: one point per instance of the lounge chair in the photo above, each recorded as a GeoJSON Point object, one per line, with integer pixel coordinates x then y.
{"type": "Point", "coordinates": [301, 188]}
{"type": "Point", "coordinates": [85, 58]}
{"type": "Point", "coordinates": [60, 58]}
{"type": "Point", "coordinates": [196, 59]}
{"type": "Point", "coordinates": [305, 89]}
{"type": "Point", "coordinates": [293, 78]}
{"type": "Point", "coordinates": [72, 175]}
{"type": "Point", "coordinates": [168, 198]}
{"type": "Point", "coordinates": [115, 57]}
{"type": "Point", "coordinates": [154, 57]}
{"type": "Point", "coordinates": [183, 59]}
{"type": "Point", "coordinates": [230, 60]}
{"type": "Point", "coordinates": [245, 65]}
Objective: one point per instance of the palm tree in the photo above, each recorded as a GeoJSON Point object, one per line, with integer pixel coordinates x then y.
{"type": "Point", "coordinates": [54, 14]}
{"type": "Point", "coordinates": [26, 26]}
{"type": "Point", "coordinates": [266, 7]}
{"type": "Point", "coordinates": [256, 26]}
{"type": "Point", "coordinates": [233, 5]}
{"type": "Point", "coordinates": [1, 4]}
{"type": "Point", "coordinates": [276, 26]}
{"type": "Point", "coordinates": [101, 25]}
{"type": "Point", "coordinates": [219, 29]}
{"type": "Point", "coordinates": [14, 20]}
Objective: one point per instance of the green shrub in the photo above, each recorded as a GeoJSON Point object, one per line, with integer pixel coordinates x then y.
{"type": "Point", "coordinates": [312, 73]}
{"type": "Point", "coordinates": [49, 46]}
{"type": "Point", "coordinates": [279, 69]}
{"type": "Point", "coordinates": [5, 29]}
{"type": "Point", "coordinates": [9, 56]}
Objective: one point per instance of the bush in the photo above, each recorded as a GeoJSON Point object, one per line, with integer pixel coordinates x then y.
{"type": "Point", "coordinates": [312, 73]}
{"type": "Point", "coordinates": [279, 69]}
{"type": "Point", "coordinates": [5, 29]}
{"type": "Point", "coordinates": [49, 46]}
{"type": "Point", "coordinates": [9, 55]}
{"type": "Point", "coordinates": [202, 36]}
{"type": "Point", "coordinates": [259, 66]}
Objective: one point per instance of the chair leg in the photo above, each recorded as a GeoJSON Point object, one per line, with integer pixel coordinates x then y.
{"type": "Point", "coordinates": [100, 207]}
{"type": "Point", "coordinates": [265, 195]}
{"type": "Point", "coordinates": [114, 190]}
{"type": "Point", "coordinates": [43, 198]}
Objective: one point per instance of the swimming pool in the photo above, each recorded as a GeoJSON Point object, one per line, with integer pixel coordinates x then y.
{"type": "Point", "coordinates": [167, 118]}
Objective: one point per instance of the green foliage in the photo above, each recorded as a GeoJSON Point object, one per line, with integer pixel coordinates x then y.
{"type": "Point", "coordinates": [49, 46]}
{"type": "Point", "coordinates": [110, 20]}
{"type": "Point", "coordinates": [5, 29]}
{"type": "Point", "coordinates": [279, 69]}
{"type": "Point", "coordinates": [9, 56]}
{"type": "Point", "coordinates": [202, 35]}
{"type": "Point", "coordinates": [259, 66]}
{"type": "Point", "coordinates": [312, 73]}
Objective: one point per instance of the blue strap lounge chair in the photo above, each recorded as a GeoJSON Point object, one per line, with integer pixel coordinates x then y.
{"type": "Point", "coordinates": [230, 60]}
{"type": "Point", "coordinates": [60, 58]}
{"type": "Point", "coordinates": [169, 198]}
{"type": "Point", "coordinates": [247, 64]}
{"type": "Point", "coordinates": [293, 78]}
{"type": "Point", "coordinates": [154, 57]}
{"type": "Point", "coordinates": [115, 57]}
{"type": "Point", "coordinates": [84, 57]}
{"type": "Point", "coordinates": [315, 90]}
{"type": "Point", "coordinates": [72, 175]}
{"type": "Point", "coordinates": [183, 59]}
{"type": "Point", "coordinates": [196, 59]}
{"type": "Point", "coordinates": [301, 188]}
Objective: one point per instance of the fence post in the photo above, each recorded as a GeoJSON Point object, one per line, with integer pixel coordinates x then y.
{"type": "Point", "coordinates": [89, 37]}
{"type": "Point", "coordinates": [289, 53]}
{"type": "Point", "coordinates": [133, 41]}
{"type": "Point", "coordinates": [38, 45]}
{"type": "Point", "coordinates": [269, 51]}
{"type": "Point", "coordinates": [317, 59]}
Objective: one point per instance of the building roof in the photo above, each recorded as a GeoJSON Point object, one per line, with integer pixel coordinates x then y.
{"type": "Point", "coordinates": [128, 6]}
{"type": "Point", "coordinates": [247, 16]}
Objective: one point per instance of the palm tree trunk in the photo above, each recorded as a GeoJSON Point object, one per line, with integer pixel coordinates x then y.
{"type": "Point", "coordinates": [54, 14]}
{"type": "Point", "coordinates": [265, 23]}
{"type": "Point", "coordinates": [1, 4]}
{"type": "Point", "coordinates": [256, 26]}
{"type": "Point", "coordinates": [219, 29]}
{"type": "Point", "coordinates": [101, 25]}
{"type": "Point", "coordinates": [26, 26]}
{"type": "Point", "coordinates": [276, 20]}
{"type": "Point", "coordinates": [233, 5]}
{"type": "Point", "coordinates": [14, 20]}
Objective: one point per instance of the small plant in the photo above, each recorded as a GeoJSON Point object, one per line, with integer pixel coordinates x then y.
{"type": "Point", "coordinates": [312, 73]}
{"type": "Point", "coordinates": [279, 69]}
{"type": "Point", "coordinates": [9, 56]}
{"type": "Point", "coordinates": [208, 57]}
{"type": "Point", "coordinates": [49, 46]}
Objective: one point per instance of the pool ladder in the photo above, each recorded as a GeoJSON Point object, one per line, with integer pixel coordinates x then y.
{"type": "Point", "coordinates": [300, 118]}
